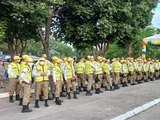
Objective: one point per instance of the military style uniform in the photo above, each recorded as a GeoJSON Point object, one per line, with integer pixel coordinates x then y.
{"type": "Point", "coordinates": [14, 83]}
{"type": "Point", "coordinates": [41, 73]}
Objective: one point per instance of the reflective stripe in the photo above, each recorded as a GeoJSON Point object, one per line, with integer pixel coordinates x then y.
{"type": "Point", "coordinates": [15, 69]}
{"type": "Point", "coordinates": [88, 68]}
{"type": "Point", "coordinates": [41, 69]}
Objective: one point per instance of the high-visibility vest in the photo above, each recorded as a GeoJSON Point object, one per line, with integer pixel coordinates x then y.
{"type": "Point", "coordinates": [99, 68]}
{"type": "Point", "coordinates": [156, 66]}
{"type": "Point", "coordinates": [140, 66]}
{"type": "Point", "coordinates": [15, 69]}
{"type": "Point", "coordinates": [151, 68]}
{"type": "Point", "coordinates": [41, 69]}
{"type": "Point", "coordinates": [131, 67]}
{"type": "Point", "coordinates": [88, 68]}
{"type": "Point", "coordinates": [116, 66]}
{"type": "Point", "coordinates": [58, 73]}
{"type": "Point", "coordinates": [29, 72]}
{"type": "Point", "coordinates": [124, 68]}
{"type": "Point", "coordinates": [69, 72]}
{"type": "Point", "coordinates": [105, 68]}
{"type": "Point", "coordinates": [80, 68]}
{"type": "Point", "coordinates": [145, 67]}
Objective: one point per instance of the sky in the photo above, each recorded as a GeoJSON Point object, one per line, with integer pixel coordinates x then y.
{"type": "Point", "coordinates": [156, 17]}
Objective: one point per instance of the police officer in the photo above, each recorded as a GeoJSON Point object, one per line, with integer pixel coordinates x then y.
{"type": "Point", "coordinates": [106, 69]}
{"type": "Point", "coordinates": [69, 75]}
{"type": "Point", "coordinates": [89, 68]}
{"type": "Point", "coordinates": [41, 73]}
{"type": "Point", "coordinates": [26, 78]}
{"type": "Point", "coordinates": [80, 70]}
{"type": "Point", "coordinates": [13, 72]}
{"type": "Point", "coordinates": [124, 71]}
{"type": "Point", "coordinates": [98, 74]}
{"type": "Point", "coordinates": [58, 80]}
{"type": "Point", "coordinates": [116, 66]}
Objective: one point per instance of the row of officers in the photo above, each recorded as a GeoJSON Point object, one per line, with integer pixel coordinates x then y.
{"type": "Point", "coordinates": [65, 75]}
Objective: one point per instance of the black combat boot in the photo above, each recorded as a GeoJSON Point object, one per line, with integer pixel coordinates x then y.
{"type": "Point", "coordinates": [74, 95]}
{"type": "Point", "coordinates": [96, 91]}
{"type": "Point", "coordinates": [26, 109]}
{"type": "Point", "coordinates": [88, 93]}
{"type": "Point", "coordinates": [53, 95]}
{"type": "Point", "coordinates": [116, 86]}
{"type": "Point", "coordinates": [21, 101]}
{"type": "Point", "coordinates": [99, 90]}
{"type": "Point", "coordinates": [17, 97]}
{"type": "Point", "coordinates": [58, 101]}
{"type": "Point", "coordinates": [69, 95]}
{"type": "Point", "coordinates": [111, 88]}
{"type": "Point", "coordinates": [84, 89]}
{"type": "Point", "coordinates": [11, 99]}
{"type": "Point", "coordinates": [106, 89]}
{"type": "Point", "coordinates": [46, 103]}
{"type": "Point", "coordinates": [36, 104]}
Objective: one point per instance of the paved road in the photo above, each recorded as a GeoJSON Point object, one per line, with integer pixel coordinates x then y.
{"type": "Point", "coordinates": [150, 114]}
{"type": "Point", "coordinates": [98, 107]}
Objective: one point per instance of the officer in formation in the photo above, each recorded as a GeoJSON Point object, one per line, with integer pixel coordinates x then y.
{"type": "Point", "coordinates": [61, 75]}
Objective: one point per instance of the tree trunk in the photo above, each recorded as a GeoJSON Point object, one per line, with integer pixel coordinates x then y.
{"type": "Point", "coordinates": [10, 48]}
{"type": "Point", "coordinates": [130, 49]}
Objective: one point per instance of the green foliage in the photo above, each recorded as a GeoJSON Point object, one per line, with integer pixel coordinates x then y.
{"type": "Point", "coordinates": [90, 22]}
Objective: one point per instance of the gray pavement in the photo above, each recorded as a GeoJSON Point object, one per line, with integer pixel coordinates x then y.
{"type": "Point", "coordinates": [97, 107]}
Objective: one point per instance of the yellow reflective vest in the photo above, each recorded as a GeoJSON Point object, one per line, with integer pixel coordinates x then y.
{"type": "Point", "coordinates": [116, 66]}
{"type": "Point", "coordinates": [98, 68]}
{"type": "Point", "coordinates": [15, 69]}
{"type": "Point", "coordinates": [131, 67]}
{"type": "Point", "coordinates": [69, 71]}
{"type": "Point", "coordinates": [140, 67]}
{"type": "Point", "coordinates": [80, 68]}
{"type": "Point", "coordinates": [41, 69]}
{"type": "Point", "coordinates": [29, 72]}
{"type": "Point", "coordinates": [124, 68]}
{"type": "Point", "coordinates": [105, 68]}
{"type": "Point", "coordinates": [58, 73]}
{"type": "Point", "coordinates": [88, 68]}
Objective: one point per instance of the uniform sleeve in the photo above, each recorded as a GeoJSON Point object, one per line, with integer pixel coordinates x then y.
{"type": "Point", "coordinates": [65, 73]}
{"type": "Point", "coordinates": [23, 75]}
{"type": "Point", "coordinates": [94, 66]}
{"type": "Point", "coordinates": [10, 72]}
{"type": "Point", "coordinates": [48, 72]}
{"type": "Point", "coordinates": [34, 72]}
{"type": "Point", "coordinates": [54, 74]}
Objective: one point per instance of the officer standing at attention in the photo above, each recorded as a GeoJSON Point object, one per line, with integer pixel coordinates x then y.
{"type": "Point", "coordinates": [80, 71]}
{"type": "Point", "coordinates": [58, 80]}
{"type": "Point", "coordinates": [41, 73]}
{"type": "Point", "coordinates": [98, 75]}
{"type": "Point", "coordinates": [69, 75]}
{"type": "Point", "coordinates": [116, 66]}
{"type": "Point", "coordinates": [89, 68]}
{"type": "Point", "coordinates": [13, 72]}
{"type": "Point", "coordinates": [26, 77]}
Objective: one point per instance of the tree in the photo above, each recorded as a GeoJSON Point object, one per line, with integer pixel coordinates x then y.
{"type": "Point", "coordinates": [95, 24]}
{"type": "Point", "coordinates": [27, 20]}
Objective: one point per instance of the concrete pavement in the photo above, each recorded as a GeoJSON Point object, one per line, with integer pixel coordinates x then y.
{"type": "Point", "coordinates": [97, 107]}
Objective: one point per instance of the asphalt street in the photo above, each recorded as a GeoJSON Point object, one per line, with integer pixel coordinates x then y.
{"type": "Point", "coordinates": [97, 107]}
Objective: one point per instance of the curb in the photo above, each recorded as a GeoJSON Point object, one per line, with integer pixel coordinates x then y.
{"type": "Point", "coordinates": [137, 110]}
